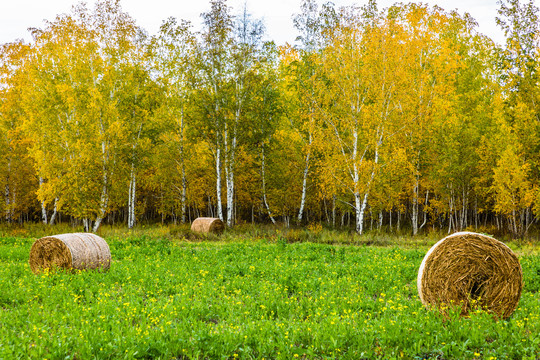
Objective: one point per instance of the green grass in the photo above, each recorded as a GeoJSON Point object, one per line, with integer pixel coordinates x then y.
{"type": "Point", "coordinates": [251, 299]}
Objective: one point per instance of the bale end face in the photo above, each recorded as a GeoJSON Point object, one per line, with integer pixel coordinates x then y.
{"type": "Point", "coordinates": [471, 270]}
{"type": "Point", "coordinates": [49, 253]}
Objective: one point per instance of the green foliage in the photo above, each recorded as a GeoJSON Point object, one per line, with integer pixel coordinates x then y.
{"type": "Point", "coordinates": [167, 299]}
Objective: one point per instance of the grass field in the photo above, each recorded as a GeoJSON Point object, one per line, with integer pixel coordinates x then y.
{"type": "Point", "coordinates": [248, 299]}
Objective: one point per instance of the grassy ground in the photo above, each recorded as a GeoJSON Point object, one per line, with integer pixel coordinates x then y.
{"type": "Point", "coordinates": [172, 295]}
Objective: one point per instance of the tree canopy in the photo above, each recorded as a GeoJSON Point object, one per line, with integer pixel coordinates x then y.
{"type": "Point", "coordinates": [403, 118]}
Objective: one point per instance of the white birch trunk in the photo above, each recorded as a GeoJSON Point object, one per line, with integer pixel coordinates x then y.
{"type": "Point", "coordinates": [359, 213]}
{"type": "Point", "coordinates": [218, 148]}
{"type": "Point", "coordinates": [131, 198]}
{"type": "Point", "coordinates": [43, 208]}
{"type": "Point", "coordinates": [333, 211]}
{"type": "Point", "coordinates": [86, 224]}
{"type": "Point", "coordinates": [415, 207]}
{"type": "Point", "coordinates": [424, 210]}
{"type": "Point", "coordinates": [133, 181]}
{"type": "Point", "coordinates": [263, 175]}
{"type": "Point", "coordinates": [53, 216]}
{"type": "Point", "coordinates": [360, 207]}
{"type": "Point", "coordinates": [229, 175]}
{"type": "Point", "coordinates": [218, 183]}
{"type": "Point", "coordinates": [226, 156]}
{"type": "Point", "coordinates": [104, 199]}
{"type": "Point", "coordinates": [229, 179]}
{"type": "Point", "coordinates": [304, 181]}
{"type": "Point", "coordinates": [44, 218]}
{"type": "Point", "coordinates": [304, 190]}
{"type": "Point", "coordinates": [464, 212]}
{"type": "Point", "coordinates": [513, 220]}
{"type": "Point", "coordinates": [450, 216]}
{"type": "Point", "coordinates": [183, 199]}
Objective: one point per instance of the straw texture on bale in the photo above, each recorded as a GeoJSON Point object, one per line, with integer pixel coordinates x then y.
{"type": "Point", "coordinates": [77, 251]}
{"type": "Point", "coordinates": [207, 225]}
{"type": "Point", "coordinates": [469, 270]}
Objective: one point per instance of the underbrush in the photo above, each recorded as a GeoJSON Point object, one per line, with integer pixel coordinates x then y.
{"type": "Point", "coordinates": [314, 233]}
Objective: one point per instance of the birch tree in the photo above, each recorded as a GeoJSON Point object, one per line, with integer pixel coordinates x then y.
{"type": "Point", "coordinates": [214, 65]}
{"type": "Point", "coordinates": [302, 112]}
{"type": "Point", "coordinates": [173, 56]}
{"type": "Point", "coordinates": [361, 81]}
{"type": "Point", "coordinates": [227, 54]}
{"type": "Point", "coordinates": [519, 64]}
{"type": "Point", "coordinates": [264, 113]}
{"type": "Point", "coordinates": [76, 70]}
{"type": "Point", "coordinates": [244, 56]}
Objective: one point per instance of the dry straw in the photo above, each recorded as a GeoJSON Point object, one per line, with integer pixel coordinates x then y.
{"type": "Point", "coordinates": [78, 251]}
{"type": "Point", "coordinates": [207, 225]}
{"type": "Point", "coordinates": [470, 270]}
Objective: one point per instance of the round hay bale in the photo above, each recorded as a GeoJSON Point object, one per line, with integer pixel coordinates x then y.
{"type": "Point", "coordinates": [78, 251]}
{"type": "Point", "coordinates": [207, 225]}
{"type": "Point", "coordinates": [469, 270]}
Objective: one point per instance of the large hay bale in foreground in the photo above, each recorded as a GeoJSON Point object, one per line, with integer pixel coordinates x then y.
{"type": "Point", "coordinates": [468, 270]}
{"type": "Point", "coordinates": [77, 251]}
{"type": "Point", "coordinates": [207, 225]}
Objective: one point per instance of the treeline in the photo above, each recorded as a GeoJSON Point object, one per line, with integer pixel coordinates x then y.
{"type": "Point", "coordinates": [405, 117]}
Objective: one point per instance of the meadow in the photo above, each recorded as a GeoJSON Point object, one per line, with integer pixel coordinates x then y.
{"type": "Point", "coordinates": [251, 297]}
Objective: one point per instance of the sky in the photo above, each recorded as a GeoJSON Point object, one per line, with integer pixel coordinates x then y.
{"type": "Point", "coordinates": [16, 16]}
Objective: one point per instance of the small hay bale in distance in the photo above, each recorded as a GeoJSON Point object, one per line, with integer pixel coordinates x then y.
{"type": "Point", "coordinates": [76, 251]}
{"type": "Point", "coordinates": [207, 225]}
{"type": "Point", "coordinates": [469, 269]}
